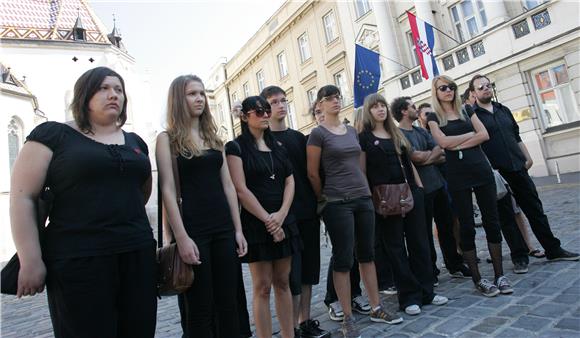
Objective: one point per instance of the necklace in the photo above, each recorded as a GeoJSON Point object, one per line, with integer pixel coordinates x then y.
{"type": "Point", "coordinates": [273, 176]}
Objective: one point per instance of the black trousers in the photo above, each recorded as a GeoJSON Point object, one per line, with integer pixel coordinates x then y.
{"type": "Point", "coordinates": [212, 297]}
{"type": "Point", "coordinates": [411, 263]}
{"type": "Point", "coordinates": [525, 193]}
{"type": "Point", "coordinates": [382, 262]}
{"type": "Point", "coordinates": [355, 289]}
{"type": "Point", "coordinates": [511, 232]}
{"type": "Point", "coordinates": [113, 296]}
{"type": "Point", "coordinates": [243, 315]}
{"type": "Point", "coordinates": [486, 196]}
{"type": "Point", "coordinates": [437, 206]}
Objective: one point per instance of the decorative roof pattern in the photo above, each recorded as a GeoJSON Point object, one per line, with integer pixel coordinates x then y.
{"type": "Point", "coordinates": [48, 20]}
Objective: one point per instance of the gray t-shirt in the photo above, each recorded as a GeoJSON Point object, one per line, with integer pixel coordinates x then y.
{"type": "Point", "coordinates": [421, 140]}
{"type": "Point", "coordinates": [340, 160]}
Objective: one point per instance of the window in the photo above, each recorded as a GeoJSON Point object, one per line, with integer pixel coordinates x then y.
{"type": "Point", "coordinates": [330, 27]}
{"type": "Point", "coordinates": [260, 79]}
{"type": "Point", "coordinates": [311, 95]}
{"type": "Point", "coordinates": [557, 103]}
{"type": "Point", "coordinates": [468, 18]}
{"type": "Point", "coordinates": [282, 65]}
{"type": "Point", "coordinates": [414, 57]}
{"type": "Point", "coordinates": [362, 7]}
{"type": "Point", "coordinates": [15, 139]}
{"type": "Point", "coordinates": [235, 97]}
{"type": "Point", "coordinates": [220, 109]}
{"type": "Point", "coordinates": [529, 4]}
{"type": "Point", "coordinates": [292, 122]}
{"type": "Point", "coordinates": [304, 47]}
{"type": "Point", "coordinates": [340, 82]}
{"type": "Point", "coordinates": [246, 90]}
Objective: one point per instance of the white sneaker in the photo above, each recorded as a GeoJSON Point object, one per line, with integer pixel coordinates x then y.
{"type": "Point", "coordinates": [413, 310]}
{"type": "Point", "coordinates": [335, 311]}
{"type": "Point", "coordinates": [439, 300]}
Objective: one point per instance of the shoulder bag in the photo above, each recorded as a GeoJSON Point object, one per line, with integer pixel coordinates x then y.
{"type": "Point", "coordinates": [175, 276]}
{"type": "Point", "coordinates": [393, 199]}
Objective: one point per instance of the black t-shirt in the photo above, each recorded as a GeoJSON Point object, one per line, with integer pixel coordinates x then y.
{"type": "Point", "coordinates": [304, 204]}
{"type": "Point", "coordinates": [98, 207]}
{"type": "Point", "coordinates": [203, 194]}
{"type": "Point", "coordinates": [269, 192]}
{"type": "Point", "coordinates": [382, 163]}
{"type": "Point", "coordinates": [472, 169]}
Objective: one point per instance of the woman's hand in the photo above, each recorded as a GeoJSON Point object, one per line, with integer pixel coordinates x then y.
{"type": "Point", "coordinates": [279, 235]}
{"type": "Point", "coordinates": [242, 245]}
{"type": "Point", "coordinates": [188, 250]}
{"type": "Point", "coordinates": [31, 278]}
{"type": "Point", "coordinates": [275, 221]}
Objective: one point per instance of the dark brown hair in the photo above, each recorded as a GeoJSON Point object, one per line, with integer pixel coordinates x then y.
{"type": "Point", "coordinates": [85, 88]}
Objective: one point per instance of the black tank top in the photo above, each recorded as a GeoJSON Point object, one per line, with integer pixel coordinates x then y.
{"type": "Point", "coordinates": [205, 206]}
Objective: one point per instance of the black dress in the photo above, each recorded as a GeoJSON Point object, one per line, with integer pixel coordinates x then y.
{"type": "Point", "coordinates": [205, 206]}
{"type": "Point", "coordinates": [268, 187]}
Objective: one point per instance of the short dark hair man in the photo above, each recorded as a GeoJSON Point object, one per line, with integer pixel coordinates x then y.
{"type": "Point", "coordinates": [507, 153]}
{"type": "Point", "coordinates": [425, 155]}
{"type": "Point", "coordinates": [305, 270]}
{"type": "Point", "coordinates": [424, 109]}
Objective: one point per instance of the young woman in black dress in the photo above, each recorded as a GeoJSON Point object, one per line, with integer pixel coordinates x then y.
{"type": "Point", "coordinates": [209, 228]}
{"type": "Point", "coordinates": [262, 175]}
{"type": "Point", "coordinates": [98, 251]}
{"type": "Point", "coordinates": [468, 170]}
{"type": "Point", "coordinates": [404, 238]}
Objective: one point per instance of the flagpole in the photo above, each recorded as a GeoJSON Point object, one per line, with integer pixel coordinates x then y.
{"type": "Point", "coordinates": [437, 29]}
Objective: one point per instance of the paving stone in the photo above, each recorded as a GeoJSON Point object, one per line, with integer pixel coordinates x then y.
{"type": "Point", "coordinates": [489, 325]}
{"type": "Point", "coordinates": [453, 326]}
{"type": "Point", "coordinates": [464, 301]}
{"type": "Point", "coordinates": [513, 311]}
{"type": "Point", "coordinates": [471, 334]}
{"type": "Point", "coordinates": [573, 290]}
{"type": "Point", "coordinates": [420, 324]}
{"type": "Point", "coordinates": [511, 333]}
{"type": "Point", "coordinates": [567, 299]}
{"type": "Point", "coordinates": [477, 312]}
{"type": "Point", "coordinates": [558, 333]}
{"type": "Point", "coordinates": [531, 300]}
{"type": "Point", "coordinates": [528, 323]}
{"type": "Point", "coordinates": [550, 310]}
{"type": "Point", "coordinates": [444, 312]}
{"type": "Point", "coordinates": [569, 324]}
{"type": "Point", "coordinates": [497, 301]}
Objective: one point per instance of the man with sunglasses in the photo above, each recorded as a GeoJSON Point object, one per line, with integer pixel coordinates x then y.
{"type": "Point", "coordinates": [426, 155]}
{"type": "Point", "coordinates": [507, 153]}
{"type": "Point", "coordinates": [305, 270]}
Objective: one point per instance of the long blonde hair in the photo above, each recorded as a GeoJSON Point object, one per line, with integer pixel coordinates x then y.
{"type": "Point", "coordinates": [179, 121]}
{"type": "Point", "coordinates": [437, 107]}
{"type": "Point", "coordinates": [369, 123]}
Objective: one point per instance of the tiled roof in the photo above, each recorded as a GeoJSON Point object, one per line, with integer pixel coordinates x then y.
{"type": "Point", "coordinates": [48, 20]}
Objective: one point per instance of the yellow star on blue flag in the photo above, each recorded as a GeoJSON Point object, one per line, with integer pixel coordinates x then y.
{"type": "Point", "coordinates": [367, 74]}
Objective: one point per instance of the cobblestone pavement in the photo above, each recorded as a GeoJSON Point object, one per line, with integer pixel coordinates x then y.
{"type": "Point", "coordinates": [546, 301]}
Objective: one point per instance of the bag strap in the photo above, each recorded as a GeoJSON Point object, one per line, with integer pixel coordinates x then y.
{"type": "Point", "coordinates": [402, 167]}
{"type": "Point", "coordinates": [176, 180]}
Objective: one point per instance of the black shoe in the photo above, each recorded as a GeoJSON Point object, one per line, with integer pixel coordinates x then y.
{"type": "Point", "coordinates": [563, 255]}
{"type": "Point", "coordinates": [520, 267]}
{"type": "Point", "coordinates": [311, 329]}
{"type": "Point", "coordinates": [297, 333]}
{"type": "Point", "coordinates": [462, 272]}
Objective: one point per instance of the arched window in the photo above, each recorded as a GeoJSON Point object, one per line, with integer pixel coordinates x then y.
{"type": "Point", "coordinates": [15, 139]}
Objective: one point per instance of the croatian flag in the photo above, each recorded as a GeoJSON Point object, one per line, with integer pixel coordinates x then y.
{"type": "Point", "coordinates": [424, 42]}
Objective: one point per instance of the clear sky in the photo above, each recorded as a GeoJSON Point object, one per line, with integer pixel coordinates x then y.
{"type": "Point", "coordinates": [171, 38]}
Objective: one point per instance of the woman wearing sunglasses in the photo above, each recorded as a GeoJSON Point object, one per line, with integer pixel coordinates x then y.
{"type": "Point", "coordinates": [349, 213]}
{"type": "Point", "coordinates": [262, 175]}
{"type": "Point", "coordinates": [468, 170]}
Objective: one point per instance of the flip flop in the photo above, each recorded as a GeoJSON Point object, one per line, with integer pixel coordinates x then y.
{"type": "Point", "coordinates": [536, 253]}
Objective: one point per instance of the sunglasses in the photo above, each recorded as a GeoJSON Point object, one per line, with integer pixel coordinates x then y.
{"type": "Point", "coordinates": [487, 85]}
{"type": "Point", "coordinates": [445, 88]}
{"type": "Point", "coordinates": [332, 97]}
{"type": "Point", "coordinates": [260, 112]}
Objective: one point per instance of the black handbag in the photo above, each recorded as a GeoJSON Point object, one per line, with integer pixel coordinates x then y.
{"type": "Point", "coordinates": [9, 274]}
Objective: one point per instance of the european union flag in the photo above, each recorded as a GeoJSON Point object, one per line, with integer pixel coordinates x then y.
{"type": "Point", "coordinates": [367, 73]}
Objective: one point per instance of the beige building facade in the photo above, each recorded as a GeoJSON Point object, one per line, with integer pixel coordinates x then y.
{"type": "Point", "coordinates": [529, 49]}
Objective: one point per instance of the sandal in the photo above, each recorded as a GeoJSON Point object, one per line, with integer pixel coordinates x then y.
{"type": "Point", "coordinates": [536, 253]}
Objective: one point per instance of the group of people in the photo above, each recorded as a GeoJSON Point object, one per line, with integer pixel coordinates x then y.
{"type": "Point", "coordinates": [259, 199]}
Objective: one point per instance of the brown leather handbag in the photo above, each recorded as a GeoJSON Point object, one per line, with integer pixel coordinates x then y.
{"type": "Point", "coordinates": [393, 199]}
{"type": "Point", "coordinates": [174, 275]}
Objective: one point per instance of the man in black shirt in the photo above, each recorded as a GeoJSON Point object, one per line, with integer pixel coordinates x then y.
{"type": "Point", "coordinates": [507, 153]}
{"type": "Point", "coordinates": [426, 154]}
{"type": "Point", "coordinates": [305, 270]}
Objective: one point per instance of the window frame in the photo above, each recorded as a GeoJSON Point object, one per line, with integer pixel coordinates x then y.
{"type": "Point", "coordinates": [304, 47]}
{"type": "Point", "coordinates": [363, 9]}
{"type": "Point", "coordinates": [344, 89]}
{"type": "Point", "coordinates": [414, 57]}
{"type": "Point", "coordinates": [330, 27]}
{"type": "Point", "coordinates": [246, 89]}
{"type": "Point", "coordinates": [282, 64]}
{"type": "Point", "coordinates": [461, 26]}
{"type": "Point", "coordinates": [261, 80]}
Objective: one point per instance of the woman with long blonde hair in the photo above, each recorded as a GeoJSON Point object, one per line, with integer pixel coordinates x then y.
{"type": "Point", "coordinates": [208, 228]}
{"type": "Point", "coordinates": [385, 160]}
{"type": "Point", "coordinates": [460, 132]}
